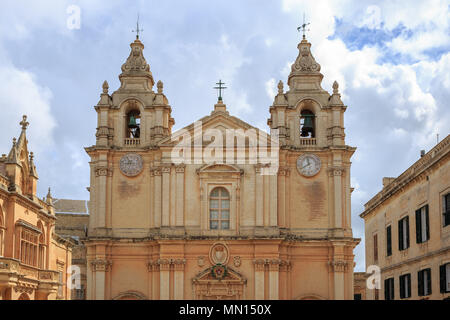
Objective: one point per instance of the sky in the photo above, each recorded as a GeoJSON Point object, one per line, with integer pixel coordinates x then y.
{"type": "Point", "coordinates": [391, 59]}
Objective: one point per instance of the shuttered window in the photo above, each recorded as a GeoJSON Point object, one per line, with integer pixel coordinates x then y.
{"type": "Point", "coordinates": [389, 289]}
{"type": "Point", "coordinates": [444, 278]}
{"type": "Point", "coordinates": [422, 225]}
{"type": "Point", "coordinates": [424, 282]}
{"type": "Point", "coordinates": [403, 233]}
{"type": "Point", "coordinates": [446, 208]}
{"type": "Point", "coordinates": [375, 247]}
{"type": "Point", "coordinates": [405, 286]}
{"type": "Point", "coordinates": [389, 241]}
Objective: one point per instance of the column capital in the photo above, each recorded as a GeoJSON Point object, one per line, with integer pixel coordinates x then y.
{"type": "Point", "coordinates": [338, 265]}
{"type": "Point", "coordinates": [102, 265]}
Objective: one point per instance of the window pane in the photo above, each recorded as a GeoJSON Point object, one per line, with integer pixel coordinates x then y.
{"type": "Point", "coordinates": [214, 204]}
{"type": "Point", "coordinates": [214, 225]}
{"type": "Point", "coordinates": [224, 193]}
{"type": "Point", "coordinates": [225, 215]}
{"type": "Point", "coordinates": [214, 215]}
{"type": "Point", "coordinates": [225, 225]}
{"type": "Point", "coordinates": [225, 204]}
{"type": "Point", "coordinates": [215, 193]}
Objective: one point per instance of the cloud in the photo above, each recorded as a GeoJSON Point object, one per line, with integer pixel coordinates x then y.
{"type": "Point", "coordinates": [21, 94]}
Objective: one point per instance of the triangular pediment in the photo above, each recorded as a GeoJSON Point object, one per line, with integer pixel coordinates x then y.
{"type": "Point", "coordinates": [217, 121]}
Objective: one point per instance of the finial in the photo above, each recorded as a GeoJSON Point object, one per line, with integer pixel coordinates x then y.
{"type": "Point", "coordinates": [280, 87]}
{"type": "Point", "coordinates": [335, 87]}
{"type": "Point", "coordinates": [105, 87]}
{"type": "Point", "coordinates": [24, 122]}
{"type": "Point", "coordinates": [137, 28]}
{"type": "Point", "coordinates": [303, 27]}
{"type": "Point", "coordinates": [31, 156]}
{"type": "Point", "coordinates": [49, 197]}
{"type": "Point", "coordinates": [14, 141]}
{"type": "Point", "coordinates": [160, 86]}
{"type": "Point", "coordinates": [220, 87]}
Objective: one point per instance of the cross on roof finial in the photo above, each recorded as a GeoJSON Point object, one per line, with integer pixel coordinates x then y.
{"type": "Point", "coordinates": [220, 88]}
{"type": "Point", "coordinates": [137, 28]}
{"type": "Point", "coordinates": [303, 27]}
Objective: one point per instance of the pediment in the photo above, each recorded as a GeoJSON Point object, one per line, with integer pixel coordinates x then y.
{"type": "Point", "coordinates": [218, 121]}
{"type": "Point", "coordinates": [219, 168]}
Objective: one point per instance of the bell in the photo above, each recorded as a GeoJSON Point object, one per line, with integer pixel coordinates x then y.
{"type": "Point", "coordinates": [132, 123]}
{"type": "Point", "coordinates": [307, 125]}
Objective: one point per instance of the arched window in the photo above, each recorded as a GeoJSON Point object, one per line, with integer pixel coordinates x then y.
{"type": "Point", "coordinates": [219, 209]}
{"type": "Point", "coordinates": [307, 124]}
{"type": "Point", "coordinates": [133, 128]}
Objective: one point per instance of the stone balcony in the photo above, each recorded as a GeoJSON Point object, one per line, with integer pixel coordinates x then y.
{"type": "Point", "coordinates": [131, 142]}
{"type": "Point", "coordinates": [308, 141]}
{"type": "Point", "coordinates": [12, 272]}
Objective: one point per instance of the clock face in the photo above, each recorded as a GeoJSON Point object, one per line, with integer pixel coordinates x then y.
{"type": "Point", "coordinates": [308, 165]}
{"type": "Point", "coordinates": [131, 164]}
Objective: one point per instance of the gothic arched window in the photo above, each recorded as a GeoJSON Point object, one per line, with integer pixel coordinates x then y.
{"type": "Point", "coordinates": [307, 124]}
{"type": "Point", "coordinates": [219, 209]}
{"type": "Point", "coordinates": [41, 258]}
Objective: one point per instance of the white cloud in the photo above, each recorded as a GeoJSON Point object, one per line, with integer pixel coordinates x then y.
{"type": "Point", "coordinates": [20, 94]}
{"type": "Point", "coordinates": [270, 88]}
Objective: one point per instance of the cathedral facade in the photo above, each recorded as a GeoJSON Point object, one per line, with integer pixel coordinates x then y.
{"type": "Point", "coordinates": [219, 209]}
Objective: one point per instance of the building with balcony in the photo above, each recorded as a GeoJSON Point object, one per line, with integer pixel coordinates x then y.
{"type": "Point", "coordinates": [407, 230]}
{"type": "Point", "coordinates": [34, 260]}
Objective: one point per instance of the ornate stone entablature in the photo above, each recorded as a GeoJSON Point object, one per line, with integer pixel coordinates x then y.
{"type": "Point", "coordinates": [166, 264]}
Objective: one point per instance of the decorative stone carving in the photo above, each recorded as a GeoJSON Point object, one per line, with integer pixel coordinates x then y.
{"type": "Point", "coordinates": [219, 254]}
{"type": "Point", "coordinates": [131, 164]}
{"type": "Point", "coordinates": [201, 261]}
{"type": "Point", "coordinates": [101, 265]}
{"type": "Point", "coordinates": [237, 261]}
{"type": "Point", "coordinates": [305, 61]}
{"type": "Point", "coordinates": [338, 265]}
{"type": "Point", "coordinates": [103, 171]}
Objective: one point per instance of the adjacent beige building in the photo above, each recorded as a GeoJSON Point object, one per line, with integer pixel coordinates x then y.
{"type": "Point", "coordinates": [34, 260]}
{"type": "Point", "coordinates": [161, 229]}
{"type": "Point", "coordinates": [72, 222]}
{"type": "Point", "coordinates": [407, 230]}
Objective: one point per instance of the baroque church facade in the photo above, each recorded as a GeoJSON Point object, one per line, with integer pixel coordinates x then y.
{"type": "Point", "coordinates": [161, 228]}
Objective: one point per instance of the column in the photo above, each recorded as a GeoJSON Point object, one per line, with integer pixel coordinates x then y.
{"type": "Point", "coordinates": [259, 197]}
{"type": "Point", "coordinates": [165, 196]}
{"type": "Point", "coordinates": [337, 181]}
{"type": "Point", "coordinates": [179, 215]}
{"type": "Point", "coordinates": [273, 205]}
{"type": "Point", "coordinates": [274, 266]}
{"type": "Point", "coordinates": [178, 279]}
{"type": "Point", "coordinates": [164, 278]}
{"type": "Point", "coordinates": [259, 279]}
{"type": "Point", "coordinates": [100, 267]}
{"type": "Point", "coordinates": [339, 267]}
{"type": "Point", "coordinates": [157, 197]}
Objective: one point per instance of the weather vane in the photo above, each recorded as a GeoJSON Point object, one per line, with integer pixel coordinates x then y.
{"type": "Point", "coordinates": [137, 28]}
{"type": "Point", "coordinates": [220, 88]}
{"type": "Point", "coordinates": [303, 27]}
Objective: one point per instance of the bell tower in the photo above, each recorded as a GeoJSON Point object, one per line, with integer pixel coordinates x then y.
{"type": "Point", "coordinates": [134, 116]}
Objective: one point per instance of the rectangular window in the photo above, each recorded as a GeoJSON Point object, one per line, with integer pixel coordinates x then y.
{"type": "Point", "coordinates": [446, 209]}
{"type": "Point", "coordinates": [389, 289]}
{"type": "Point", "coordinates": [377, 294]}
{"type": "Point", "coordinates": [444, 277]}
{"type": "Point", "coordinates": [28, 248]}
{"type": "Point", "coordinates": [405, 286]}
{"type": "Point", "coordinates": [403, 233]}
{"type": "Point", "coordinates": [375, 247]}
{"type": "Point", "coordinates": [388, 241]}
{"type": "Point", "coordinates": [424, 282]}
{"type": "Point", "coordinates": [422, 225]}
{"type": "Point", "coordinates": [357, 296]}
